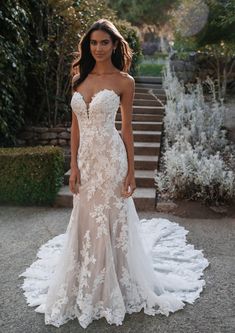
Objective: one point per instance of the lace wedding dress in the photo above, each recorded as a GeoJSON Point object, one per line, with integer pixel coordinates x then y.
{"type": "Point", "coordinates": [108, 262]}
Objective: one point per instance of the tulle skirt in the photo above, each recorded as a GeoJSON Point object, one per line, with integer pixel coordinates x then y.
{"type": "Point", "coordinates": [79, 275]}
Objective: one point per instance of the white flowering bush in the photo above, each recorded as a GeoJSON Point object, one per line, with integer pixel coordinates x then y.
{"type": "Point", "coordinates": [197, 162]}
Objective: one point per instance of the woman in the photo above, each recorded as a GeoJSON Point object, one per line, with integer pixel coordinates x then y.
{"type": "Point", "coordinates": [108, 262]}
{"type": "Point", "coordinates": [104, 56]}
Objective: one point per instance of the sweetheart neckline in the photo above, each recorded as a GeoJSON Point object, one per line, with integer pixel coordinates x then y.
{"type": "Point", "coordinates": [94, 95]}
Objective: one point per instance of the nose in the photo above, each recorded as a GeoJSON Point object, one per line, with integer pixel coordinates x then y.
{"type": "Point", "coordinates": [98, 47]}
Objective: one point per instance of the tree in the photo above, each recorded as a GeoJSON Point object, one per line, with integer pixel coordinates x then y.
{"type": "Point", "coordinates": [216, 38]}
{"type": "Point", "coordinates": [14, 47]}
{"type": "Point", "coordinates": [63, 23]}
{"type": "Point", "coordinates": [38, 41]}
{"type": "Point", "coordinates": [152, 12]}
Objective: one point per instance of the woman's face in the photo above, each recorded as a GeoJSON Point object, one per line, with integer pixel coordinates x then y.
{"type": "Point", "coordinates": [101, 45]}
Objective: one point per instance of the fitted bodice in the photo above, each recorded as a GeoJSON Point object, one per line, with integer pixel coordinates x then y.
{"type": "Point", "coordinates": [100, 112]}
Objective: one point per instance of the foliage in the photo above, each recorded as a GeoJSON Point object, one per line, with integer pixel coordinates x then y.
{"type": "Point", "coordinates": [130, 33]}
{"type": "Point", "coordinates": [139, 12]}
{"type": "Point", "coordinates": [193, 176]}
{"type": "Point", "coordinates": [228, 17]}
{"type": "Point", "coordinates": [220, 26]}
{"type": "Point", "coordinates": [57, 32]}
{"type": "Point", "coordinates": [151, 66]}
{"type": "Point", "coordinates": [198, 162]}
{"type": "Point", "coordinates": [14, 46]}
{"type": "Point", "coordinates": [184, 45]}
{"type": "Point", "coordinates": [205, 21]}
{"type": "Point", "coordinates": [216, 38]}
{"type": "Point", "coordinates": [38, 43]}
{"type": "Point", "coordinates": [31, 175]}
{"type": "Point", "coordinates": [189, 115]}
{"type": "Point", "coordinates": [150, 69]}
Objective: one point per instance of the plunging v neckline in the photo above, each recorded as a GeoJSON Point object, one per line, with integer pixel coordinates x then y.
{"type": "Point", "coordinates": [94, 95]}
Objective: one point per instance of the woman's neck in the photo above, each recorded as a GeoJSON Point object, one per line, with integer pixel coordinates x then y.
{"type": "Point", "coordinates": [104, 68]}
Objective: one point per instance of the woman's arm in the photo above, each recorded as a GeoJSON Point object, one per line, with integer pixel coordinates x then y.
{"type": "Point", "coordinates": [127, 134]}
{"type": "Point", "coordinates": [74, 178]}
{"type": "Point", "coordinates": [74, 141]}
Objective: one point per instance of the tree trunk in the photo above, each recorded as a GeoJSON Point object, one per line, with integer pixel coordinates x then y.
{"type": "Point", "coordinates": [59, 74]}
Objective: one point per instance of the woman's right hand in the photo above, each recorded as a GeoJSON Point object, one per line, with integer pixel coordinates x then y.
{"type": "Point", "coordinates": [74, 180]}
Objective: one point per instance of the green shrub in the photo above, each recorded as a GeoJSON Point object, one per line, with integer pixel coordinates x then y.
{"type": "Point", "coordinates": [130, 33]}
{"type": "Point", "coordinates": [31, 175]}
{"type": "Point", "coordinates": [151, 65]}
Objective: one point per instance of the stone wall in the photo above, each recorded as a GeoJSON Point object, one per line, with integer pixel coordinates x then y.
{"type": "Point", "coordinates": [196, 65]}
{"type": "Point", "coordinates": [34, 136]}
{"type": "Point", "coordinates": [184, 70]}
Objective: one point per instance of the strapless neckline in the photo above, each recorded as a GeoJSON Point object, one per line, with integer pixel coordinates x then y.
{"type": "Point", "coordinates": [94, 95]}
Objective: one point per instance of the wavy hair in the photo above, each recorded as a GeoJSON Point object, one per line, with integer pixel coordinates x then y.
{"type": "Point", "coordinates": [84, 64]}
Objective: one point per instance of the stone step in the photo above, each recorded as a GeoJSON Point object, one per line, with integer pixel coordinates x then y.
{"type": "Point", "coordinates": [148, 96]}
{"type": "Point", "coordinates": [149, 110]}
{"type": "Point", "coordinates": [144, 178]}
{"type": "Point", "coordinates": [143, 125]}
{"type": "Point", "coordinates": [144, 198]}
{"type": "Point", "coordinates": [64, 198]}
{"type": "Point", "coordinates": [146, 90]}
{"type": "Point", "coordinates": [147, 102]}
{"type": "Point", "coordinates": [148, 79]}
{"type": "Point", "coordinates": [157, 109]}
{"type": "Point", "coordinates": [147, 148]}
{"type": "Point", "coordinates": [146, 136]}
{"type": "Point", "coordinates": [142, 117]}
{"type": "Point", "coordinates": [145, 162]}
{"type": "Point", "coordinates": [148, 85]}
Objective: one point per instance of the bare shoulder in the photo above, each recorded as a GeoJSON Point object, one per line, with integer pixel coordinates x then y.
{"type": "Point", "coordinates": [128, 82]}
{"type": "Point", "coordinates": [127, 77]}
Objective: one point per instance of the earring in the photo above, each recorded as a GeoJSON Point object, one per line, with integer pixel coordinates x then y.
{"type": "Point", "coordinates": [114, 51]}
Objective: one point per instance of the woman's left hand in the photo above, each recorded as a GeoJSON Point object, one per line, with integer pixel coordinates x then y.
{"type": "Point", "coordinates": [129, 185]}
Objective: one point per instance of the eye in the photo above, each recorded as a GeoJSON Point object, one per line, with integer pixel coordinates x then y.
{"type": "Point", "coordinates": [103, 42]}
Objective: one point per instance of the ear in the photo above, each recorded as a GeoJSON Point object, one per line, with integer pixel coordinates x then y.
{"type": "Point", "coordinates": [116, 44]}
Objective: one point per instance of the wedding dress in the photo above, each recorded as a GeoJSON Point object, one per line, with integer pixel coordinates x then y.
{"type": "Point", "coordinates": [108, 262]}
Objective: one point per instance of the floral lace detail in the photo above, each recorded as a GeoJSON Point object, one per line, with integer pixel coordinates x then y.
{"type": "Point", "coordinates": [101, 266]}
{"type": "Point", "coordinates": [101, 219]}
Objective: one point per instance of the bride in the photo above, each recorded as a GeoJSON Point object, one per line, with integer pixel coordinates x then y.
{"type": "Point", "coordinates": [108, 262]}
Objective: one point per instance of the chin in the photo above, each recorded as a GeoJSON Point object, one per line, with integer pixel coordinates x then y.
{"type": "Point", "coordinates": [103, 58]}
{"type": "Point", "coordinates": [99, 58]}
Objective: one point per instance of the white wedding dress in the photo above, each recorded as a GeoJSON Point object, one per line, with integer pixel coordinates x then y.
{"type": "Point", "coordinates": [108, 262]}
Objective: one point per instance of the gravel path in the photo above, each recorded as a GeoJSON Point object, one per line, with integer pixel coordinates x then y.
{"type": "Point", "coordinates": [24, 229]}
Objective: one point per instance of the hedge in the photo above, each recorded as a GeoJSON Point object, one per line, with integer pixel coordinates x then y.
{"type": "Point", "coordinates": [31, 175]}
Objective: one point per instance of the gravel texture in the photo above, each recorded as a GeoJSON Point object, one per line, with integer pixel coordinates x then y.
{"type": "Point", "coordinates": [24, 229]}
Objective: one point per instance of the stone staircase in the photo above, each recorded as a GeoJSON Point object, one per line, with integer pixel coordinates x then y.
{"type": "Point", "coordinates": [147, 131]}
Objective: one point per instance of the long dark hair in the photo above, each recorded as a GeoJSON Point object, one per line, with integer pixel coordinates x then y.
{"type": "Point", "coordinates": [84, 64]}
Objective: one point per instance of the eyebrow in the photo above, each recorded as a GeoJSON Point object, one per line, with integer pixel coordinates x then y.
{"type": "Point", "coordinates": [103, 40]}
